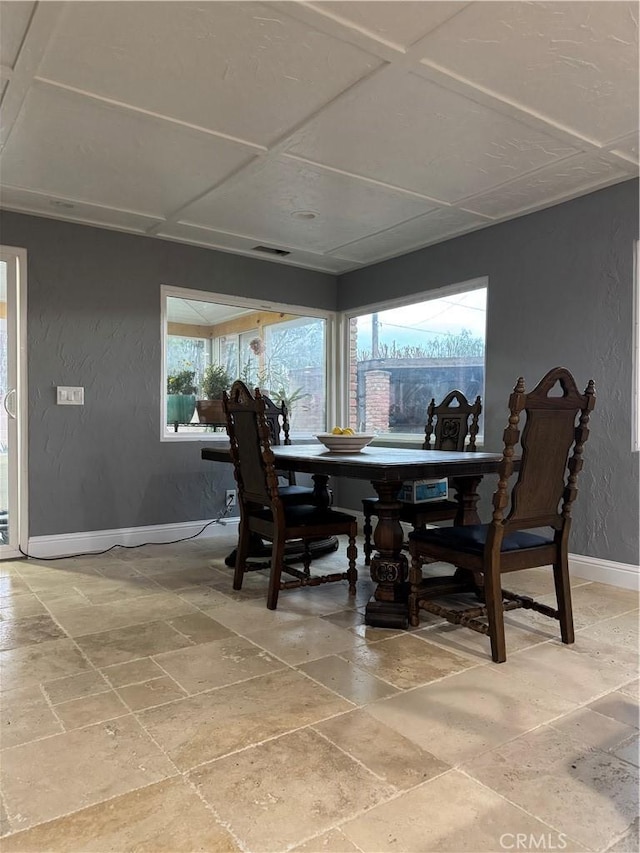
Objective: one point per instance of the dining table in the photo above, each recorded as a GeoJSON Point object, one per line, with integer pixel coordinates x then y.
{"type": "Point", "coordinates": [387, 469]}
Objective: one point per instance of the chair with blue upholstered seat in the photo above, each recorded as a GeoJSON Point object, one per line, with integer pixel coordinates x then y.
{"type": "Point", "coordinates": [553, 438]}
{"type": "Point", "coordinates": [451, 425]}
{"type": "Point", "coordinates": [262, 510]}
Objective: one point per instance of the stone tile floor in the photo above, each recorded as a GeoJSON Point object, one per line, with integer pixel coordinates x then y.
{"type": "Point", "coordinates": [146, 706]}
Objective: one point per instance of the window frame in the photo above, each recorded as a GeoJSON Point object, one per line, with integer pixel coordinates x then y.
{"type": "Point", "coordinates": [330, 317]}
{"type": "Point", "coordinates": [399, 439]}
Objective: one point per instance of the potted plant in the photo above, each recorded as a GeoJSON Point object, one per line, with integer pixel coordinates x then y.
{"type": "Point", "coordinates": [215, 380]}
{"type": "Point", "coordinates": [181, 396]}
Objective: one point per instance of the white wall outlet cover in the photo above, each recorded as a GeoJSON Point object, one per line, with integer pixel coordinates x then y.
{"type": "Point", "coordinates": [70, 395]}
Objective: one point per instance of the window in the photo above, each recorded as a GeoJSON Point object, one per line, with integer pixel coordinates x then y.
{"type": "Point", "coordinates": [401, 355]}
{"type": "Point", "coordinates": [283, 352]}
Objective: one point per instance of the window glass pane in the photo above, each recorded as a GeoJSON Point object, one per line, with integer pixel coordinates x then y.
{"type": "Point", "coordinates": [281, 353]}
{"type": "Point", "coordinates": [294, 370]}
{"type": "Point", "coordinates": [402, 357]}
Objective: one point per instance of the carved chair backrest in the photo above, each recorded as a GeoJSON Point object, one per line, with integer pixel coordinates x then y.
{"type": "Point", "coordinates": [277, 418]}
{"type": "Point", "coordinates": [249, 437]}
{"type": "Point", "coordinates": [455, 419]}
{"type": "Point", "coordinates": [552, 443]}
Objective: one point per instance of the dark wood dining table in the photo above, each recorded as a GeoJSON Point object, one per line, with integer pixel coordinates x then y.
{"type": "Point", "coordinates": [387, 468]}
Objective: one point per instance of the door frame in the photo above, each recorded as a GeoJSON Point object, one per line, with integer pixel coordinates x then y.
{"type": "Point", "coordinates": [16, 259]}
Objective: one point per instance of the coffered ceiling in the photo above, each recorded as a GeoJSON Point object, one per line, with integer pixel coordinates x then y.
{"type": "Point", "coordinates": [343, 133]}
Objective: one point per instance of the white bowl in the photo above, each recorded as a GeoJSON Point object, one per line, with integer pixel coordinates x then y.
{"type": "Point", "coordinates": [345, 443]}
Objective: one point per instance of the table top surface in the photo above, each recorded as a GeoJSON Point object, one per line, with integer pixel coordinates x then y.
{"type": "Point", "coordinates": [375, 463]}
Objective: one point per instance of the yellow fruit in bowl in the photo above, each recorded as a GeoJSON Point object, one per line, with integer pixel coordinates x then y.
{"type": "Point", "coordinates": [348, 431]}
{"type": "Point", "coordinates": [337, 430]}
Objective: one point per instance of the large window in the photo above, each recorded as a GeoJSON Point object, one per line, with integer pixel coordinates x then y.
{"type": "Point", "coordinates": [208, 343]}
{"type": "Point", "coordinates": [403, 355]}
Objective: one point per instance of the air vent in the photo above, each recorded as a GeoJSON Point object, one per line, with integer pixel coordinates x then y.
{"type": "Point", "coordinates": [269, 251]}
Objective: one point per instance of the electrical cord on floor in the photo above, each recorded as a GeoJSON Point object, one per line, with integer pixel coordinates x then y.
{"type": "Point", "coordinates": [219, 520]}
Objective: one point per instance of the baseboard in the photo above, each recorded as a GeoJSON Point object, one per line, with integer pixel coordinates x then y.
{"type": "Point", "coordinates": [95, 541]}
{"type": "Point", "coordinates": [624, 575]}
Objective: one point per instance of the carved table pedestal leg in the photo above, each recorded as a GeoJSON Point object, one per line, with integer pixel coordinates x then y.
{"type": "Point", "coordinates": [389, 567]}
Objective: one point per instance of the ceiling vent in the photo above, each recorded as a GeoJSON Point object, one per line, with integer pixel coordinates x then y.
{"type": "Point", "coordinates": [268, 251]}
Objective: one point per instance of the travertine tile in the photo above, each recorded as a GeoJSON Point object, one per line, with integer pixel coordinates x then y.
{"type": "Point", "coordinates": [334, 841]}
{"type": "Point", "coordinates": [344, 678]}
{"type": "Point", "coordinates": [41, 662]}
{"type": "Point", "coordinates": [593, 729]}
{"type": "Point", "coordinates": [90, 710]}
{"type": "Point", "coordinates": [199, 628]}
{"type": "Point", "coordinates": [306, 640]}
{"type": "Point", "coordinates": [48, 581]}
{"type": "Point", "coordinates": [632, 688]}
{"type": "Point", "coordinates": [620, 707]}
{"type": "Point", "coordinates": [12, 584]}
{"type": "Point", "coordinates": [629, 841]}
{"type": "Point", "coordinates": [592, 602]}
{"type": "Point", "coordinates": [25, 716]}
{"type": "Point", "coordinates": [15, 633]}
{"type": "Point", "coordinates": [151, 693]}
{"type": "Point", "coordinates": [166, 817]}
{"type": "Point", "coordinates": [10, 568]}
{"type": "Point", "coordinates": [19, 606]}
{"type": "Point", "coordinates": [353, 620]}
{"type": "Point", "coordinates": [545, 770]}
{"type": "Point", "coordinates": [579, 672]}
{"type": "Point", "coordinates": [619, 630]}
{"type": "Point", "coordinates": [629, 750]}
{"type": "Point", "coordinates": [132, 672]}
{"type": "Point", "coordinates": [319, 601]}
{"type": "Point", "coordinates": [217, 664]}
{"type": "Point", "coordinates": [75, 687]}
{"type": "Point", "coordinates": [406, 661]}
{"type": "Point", "coordinates": [185, 578]}
{"type": "Point", "coordinates": [106, 591]}
{"type": "Point", "coordinates": [468, 713]}
{"type": "Point", "coordinates": [209, 725]}
{"type": "Point", "coordinates": [135, 641]}
{"type": "Point", "coordinates": [118, 570]}
{"type": "Point", "coordinates": [58, 601]}
{"type": "Point", "coordinates": [250, 617]}
{"type": "Point", "coordinates": [120, 614]}
{"type": "Point", "coordinates": [96, 763]}
{"type": "Point", "coordinates": [464, 641]}
{"type": "Point", "coordinates": [536, 582]}
{"type": "Point", "coordinates": [451, 813]}
{"type": "Point", "coordinates": [253, 790]}
{"type": "Point", "coordinates": [203, 597]}
{"type": "Point", "coordinates": [165, 564]}
{"type": "Point", "coordinates": [104, 787]}
{"type": "Point", "coordinates": [391, 756]}
{"type": "Point", "coordinates": [4, 820]}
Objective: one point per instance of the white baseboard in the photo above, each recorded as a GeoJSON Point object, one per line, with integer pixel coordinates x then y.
{"type": "Point", "coordinates": [100, 540]}
{"type": "Point", "coordinates": [624, 575]}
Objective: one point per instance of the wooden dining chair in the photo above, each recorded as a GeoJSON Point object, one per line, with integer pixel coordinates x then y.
{"type": "Point", "coordinates": [448, 426]}
{"type": "Point", "coordinates": [277, 419]}
{"type": "Point", "coordinates": [262, 510]}
{"type": "Point", "coordinates": [552, 444]}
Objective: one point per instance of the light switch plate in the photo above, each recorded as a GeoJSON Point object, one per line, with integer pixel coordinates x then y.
{"type": "Point", "coordinates": [70, 395]}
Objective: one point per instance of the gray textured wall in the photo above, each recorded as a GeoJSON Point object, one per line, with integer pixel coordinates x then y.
{"type": "Point", "coordinates": [94, 320]}
{"type": "Point", "coordinates": [560, 293]}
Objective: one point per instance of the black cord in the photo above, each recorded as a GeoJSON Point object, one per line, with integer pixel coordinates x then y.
{"type": "Point", "coordinates": [218, 520]}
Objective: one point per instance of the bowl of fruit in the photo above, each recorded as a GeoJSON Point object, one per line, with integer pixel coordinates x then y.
{"type": "Point", "coordinates": [345, 440]}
